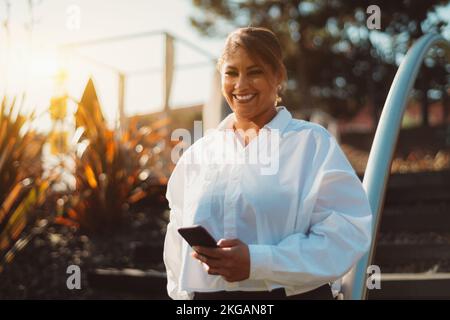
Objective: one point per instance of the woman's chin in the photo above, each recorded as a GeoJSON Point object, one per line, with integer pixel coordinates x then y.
{"type": "Point", "coordinates": [243, 112]}
{"type": "Point", "coordinates": [244, 108]}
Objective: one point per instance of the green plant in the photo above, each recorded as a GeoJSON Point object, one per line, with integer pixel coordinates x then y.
{"type": "Point", "coordinates": [21, 188]}
{"type": "Point", "coordinates": [115, 170]}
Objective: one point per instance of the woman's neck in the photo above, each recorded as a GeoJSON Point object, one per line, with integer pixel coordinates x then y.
{"type": "Point", "coordinates": [255, 123]}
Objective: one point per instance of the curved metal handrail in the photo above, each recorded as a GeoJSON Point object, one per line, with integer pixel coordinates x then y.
{"type": "Point", "coordinates": [382, 151]}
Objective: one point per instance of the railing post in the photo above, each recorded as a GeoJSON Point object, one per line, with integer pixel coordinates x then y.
{"type": "Point", "coordinates": [382, 151]}
{"type": "Point", "coordinates": [121, 103]}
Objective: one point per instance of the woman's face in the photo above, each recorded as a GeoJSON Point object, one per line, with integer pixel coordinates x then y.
{"type": "Point", "coordinates": [249, 88]}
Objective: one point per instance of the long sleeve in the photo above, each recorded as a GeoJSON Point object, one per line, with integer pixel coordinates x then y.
{"type": "Point", "coordinates": [173, 242]}
{"type": "Point", "coordinates": [339, 230]}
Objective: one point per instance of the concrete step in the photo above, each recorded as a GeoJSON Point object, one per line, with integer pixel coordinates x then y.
{"type": "Point", "coordinates": [417, 194]}
{"type": "Point", "coordinates": [419, 179]}
{"type": "Point", "coordinates": [434, 286]}
{"type": "Point", "coordinates": [150, 284]}
{"type": "Point", "coordinates": [430, 217]}
{"type": "Point", "coordinates": [391, 254]}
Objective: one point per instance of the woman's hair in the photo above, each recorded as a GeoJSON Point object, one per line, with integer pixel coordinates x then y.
{"type": "Point", "coordinates": [261, 44]}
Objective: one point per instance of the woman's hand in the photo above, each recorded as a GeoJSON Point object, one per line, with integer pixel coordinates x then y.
{"type": "Point", "coordinates": [231, 260]}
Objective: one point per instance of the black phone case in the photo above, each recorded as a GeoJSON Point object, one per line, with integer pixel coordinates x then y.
{"type": "Point", "coordinates": [197, 235]}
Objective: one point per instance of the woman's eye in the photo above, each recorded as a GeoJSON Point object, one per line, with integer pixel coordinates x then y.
{"type": "Point", "coordinates": [253, 72]}
{"type": "Point", "coordinates": [231, 73]}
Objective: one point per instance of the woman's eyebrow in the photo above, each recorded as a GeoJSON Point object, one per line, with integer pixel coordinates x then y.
{"type": "Point", "coordinates": [248, 68]}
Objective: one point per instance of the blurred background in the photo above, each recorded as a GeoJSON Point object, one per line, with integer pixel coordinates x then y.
{"type": "Point", "coordinates": [92, 90]}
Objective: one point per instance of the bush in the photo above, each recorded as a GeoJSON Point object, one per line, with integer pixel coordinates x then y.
{"type": "Point", "coordinates": [21, 188]}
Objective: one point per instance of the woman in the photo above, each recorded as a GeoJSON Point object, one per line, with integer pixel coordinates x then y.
{"type": "Point", "coordinates": [285, 233]}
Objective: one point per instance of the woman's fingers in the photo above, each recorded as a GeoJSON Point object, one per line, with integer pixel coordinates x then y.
{"type": "Point", "coordinates": [224, 243]}
{"type": "Point", "coordinates": [210, 252]}
{"type": "Point", "coordinates": [215, 267]}
{"type": "Point", "coordinates": [217, 271]}
{"type": "Point", "coordinates": [208, 260]}
{"type": "Point", "coordinates": [213, 271]}
{"type": "Point", "coordinates": [231, 260]}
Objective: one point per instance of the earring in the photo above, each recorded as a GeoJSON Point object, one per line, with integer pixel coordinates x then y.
{"type": "Point", "coordinates": [277, 100]}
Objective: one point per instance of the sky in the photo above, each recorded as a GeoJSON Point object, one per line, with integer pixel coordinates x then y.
{"type": "Point", "coordinates": [33, 63]}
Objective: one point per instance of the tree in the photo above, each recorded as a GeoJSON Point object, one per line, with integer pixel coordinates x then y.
{"type": "Point", "coordinates": [334, 61]}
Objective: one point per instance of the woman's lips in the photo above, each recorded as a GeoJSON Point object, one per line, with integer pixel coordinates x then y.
{"type": "Point", "coordinates": [244, 98]}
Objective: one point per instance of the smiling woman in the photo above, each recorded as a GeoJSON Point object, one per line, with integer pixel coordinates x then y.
{"type": "Point", "coordinates": [253, 75]}
{"type": "Point", "coordinates": [285, 234]}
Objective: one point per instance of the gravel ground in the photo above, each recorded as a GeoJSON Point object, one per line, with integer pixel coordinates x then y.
{"type": "Point", "coordinates": [414, 238]}
{"type": "Point", "coordinates": [434, 266]}
{"type": "Point", "coordinates": [38, 271]}
{"type": "Point", "coordinates": [416, 161]}
{"type": "Point", "coordinates": [405, 238]}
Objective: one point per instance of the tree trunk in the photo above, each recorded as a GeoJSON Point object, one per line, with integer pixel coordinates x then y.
{"type": "Point", "coordinates": [425, 113]}
{"type": "Point", "coordinates": [303, 85]}
{"type": "Point", "coordinates": [373, 100]}
{"type": "Point", "coordinates": [445, 106]}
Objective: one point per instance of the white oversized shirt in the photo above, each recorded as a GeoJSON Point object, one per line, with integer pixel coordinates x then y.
{"type": "Point", "coordinates": [300, 208]}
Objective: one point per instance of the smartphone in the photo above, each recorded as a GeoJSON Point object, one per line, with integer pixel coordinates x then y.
{"type": "Point", "coordinates": [197, 235]}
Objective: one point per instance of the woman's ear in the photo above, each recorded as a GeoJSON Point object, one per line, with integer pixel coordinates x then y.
{"type": "Point", "coordinates": [279, 81]}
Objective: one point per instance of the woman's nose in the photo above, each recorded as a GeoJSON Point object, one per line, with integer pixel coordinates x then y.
{"type": "Point", "coordinates": [241, 83]}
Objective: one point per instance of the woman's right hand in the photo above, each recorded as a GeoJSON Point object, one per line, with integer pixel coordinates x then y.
{"type": "Point", "coordinates": [231, 260]}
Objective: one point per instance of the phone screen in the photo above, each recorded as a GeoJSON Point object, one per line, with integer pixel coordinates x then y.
{"type": "Point", "coordinates": [197, 235]}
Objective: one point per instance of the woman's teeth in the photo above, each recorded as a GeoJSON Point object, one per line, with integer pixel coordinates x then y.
{"type": "Point", "coordinates": [244, 98]}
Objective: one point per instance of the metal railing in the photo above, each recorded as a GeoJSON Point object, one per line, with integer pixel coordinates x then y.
{"type": "Point", "coordinates": [382, 151]}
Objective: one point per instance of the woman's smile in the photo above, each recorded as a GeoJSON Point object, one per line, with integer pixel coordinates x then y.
{"type": "Point", "coordinates": [244, 98]}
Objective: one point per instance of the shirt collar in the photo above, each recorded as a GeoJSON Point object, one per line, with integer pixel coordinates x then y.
{"type": "Point", "coordinates": [279, 122]}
